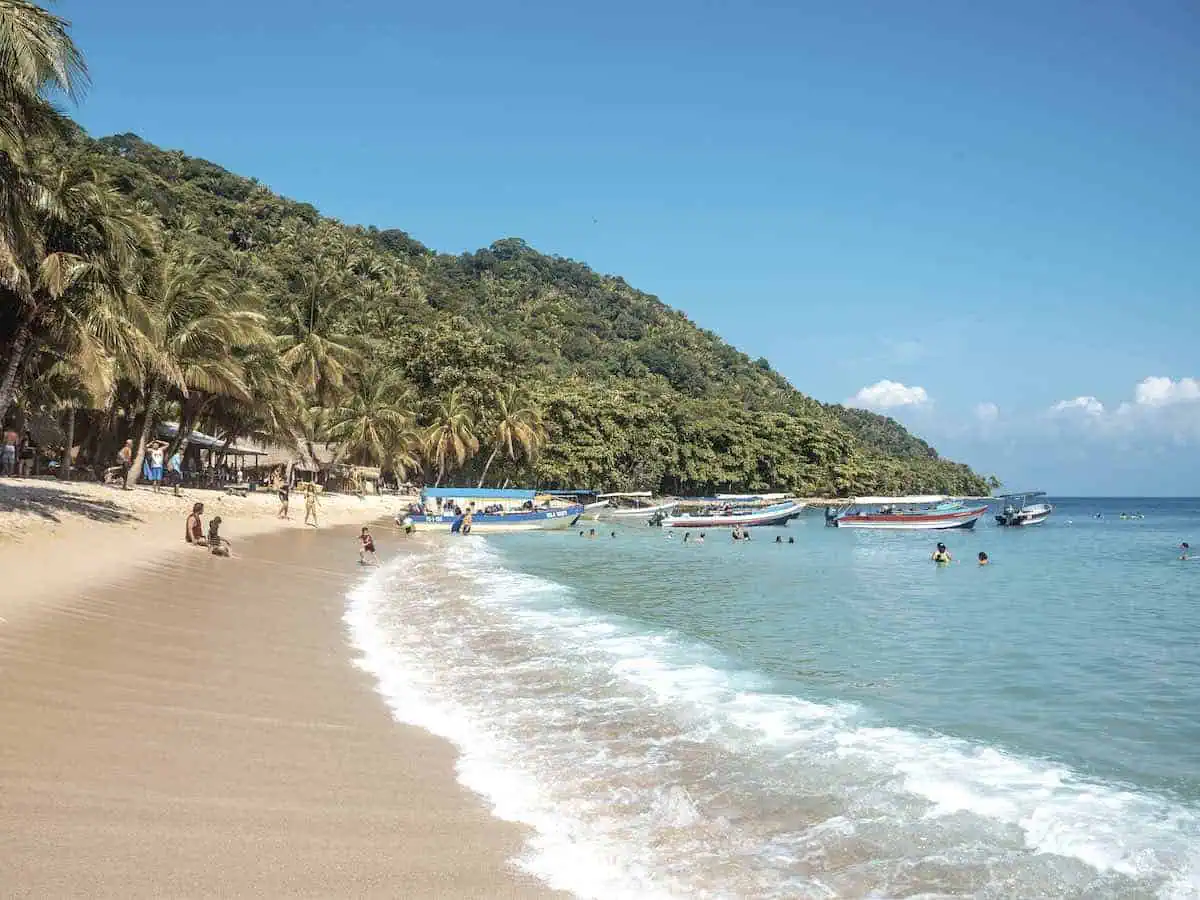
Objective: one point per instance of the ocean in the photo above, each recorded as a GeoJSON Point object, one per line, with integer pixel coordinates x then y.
{"type": "Point", "coordinates": [838, 717]}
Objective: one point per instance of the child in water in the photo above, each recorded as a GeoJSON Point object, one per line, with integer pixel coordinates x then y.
{"type": "Point", "coordinates": [941, 554]}
{"type": "Point", "coordinates": [1185, 547]}
{"type": "Point", "coordinates": [217, 545]}
{"type": "Point", "coordinates": [366, 547]}
{"type": "Point", "coordinates": [983, 558]}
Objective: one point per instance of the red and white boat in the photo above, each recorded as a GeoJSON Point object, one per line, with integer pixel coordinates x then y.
{"type": "Point", "coordinates": [922, 513]}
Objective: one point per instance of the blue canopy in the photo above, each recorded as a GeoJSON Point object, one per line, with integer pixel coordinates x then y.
{"type": "Point", "coordinates": [469, 493]}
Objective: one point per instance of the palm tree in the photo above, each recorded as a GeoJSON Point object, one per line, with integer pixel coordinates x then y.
{"type": "Point", "coordinates": [36, 56]}
{"type": "Point", "coordinates": [450, 438]}
{"type": "Point", "coordinates": [519, 428]}
{"type": "Point", "coordinates": [309, 344]}
{"type": "Point", "coordinates": [74, 283]}
{"type": "Point", "coordinates": [374, 422]}
{"type": "Point", "coordinates": [200, 315]}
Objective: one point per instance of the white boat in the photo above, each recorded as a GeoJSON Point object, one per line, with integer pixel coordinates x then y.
{"type": "Point", "coordinates": [1018, 511]}
{"type": "Point", "coordinates": [929, 512]}
{"type": "Point", "coordinates": [491, 511]}
{"type": "Point", "coordinates": [633, 507]}
{"type": "Point", "coordinates": [776, 514]}
{"type": "Point", "coordinates": [588, 499]}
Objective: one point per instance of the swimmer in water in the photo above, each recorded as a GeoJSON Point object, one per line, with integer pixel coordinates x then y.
{"type": "Point", "coordinates": [1185, 547]}
{"type": "Point", "coordinates": [983, 558]}
{"type": "Point", "coordinates": [941, 554]}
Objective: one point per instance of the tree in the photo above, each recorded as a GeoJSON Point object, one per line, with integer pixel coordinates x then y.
{"type": "Point", "coordinates": [373, 424]}
{"type": "Point", "coordinates": [309, 344]}
{"type": "Point", "coordinates": [518, 430]}
{"type": "Point", "coordinates": [450, 438]}
{"type": "Point", "coordinates": [201, 315]}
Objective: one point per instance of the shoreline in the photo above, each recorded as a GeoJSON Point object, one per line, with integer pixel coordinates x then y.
{"type": "Point", "coordinates": [189, 725]}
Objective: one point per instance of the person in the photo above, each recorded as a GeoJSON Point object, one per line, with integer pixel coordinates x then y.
{"type": "Point", "coordinates": [153, 468]}
{"type": "Point", "coordinates": [699, 540]}
{"type": "Point", "coordinates": [283, 500]}
{"type": "Point", "coordinates": [614, 534]}
{"type": "Point", "coordinates": [193, 530]}
{"type": "Point", "coordinates": [8, 453]}
{"type": "Point", "coordinates": [670, 535]}
{"type": "Point", "coordinates": [983, 558]}
{"type": "Point", "coordinates": [27, 455]}
{"type": "Point", "coordinates": [941, 554]}
{"type": "Point", "coordinates": [175, 471]}
{"type": "Point", "coordinates": [791, 540]}
{"type": "Point", "coordinates": [366, 547]}
{"type": "Point", "coordinates": [125, 460]}
{"type": "Point", "coordinates": [310, 506]}
{"type": "Point", "coordinates": [591, 534]}
{"type": "Point", "coordinates": [217, 545]}
{"type": "Point", "coordinates": [469, 518]}
{"type": "Point", "coordinates": [779, 539]}
{"type": "Point", "coordinates": [581, 534]}
{"type": "Point", "coordinates": [1185, 547]}
{"type": "Point", "coordinates": [687, 536]}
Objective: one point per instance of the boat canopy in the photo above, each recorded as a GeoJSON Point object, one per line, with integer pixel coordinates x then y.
{"type": "Point", "coordinates": [919, 499]}
{"type": "Point", "coordinates": [578, 492]}
{"type": "Point", "coordinates": [460, 493]}
{"type": "Point", "coordinates": [766, 497]}
{"type": "Point", "coordinates": [1020, 495]}
{"type": "Point", "coordinates": [625, 494]}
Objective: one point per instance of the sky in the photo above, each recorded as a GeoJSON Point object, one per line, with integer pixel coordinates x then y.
{"type": "Point", "coordinates": [981, 219]}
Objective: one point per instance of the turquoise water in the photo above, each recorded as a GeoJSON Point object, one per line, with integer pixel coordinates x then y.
{"type": "Point", "coordinates": [833, 717]}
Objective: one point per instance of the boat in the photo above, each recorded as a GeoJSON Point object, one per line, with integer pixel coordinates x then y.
{"type": "Point", "coordinates": [1019, 511]}
{"type": "Point", "coordinates": [932, 512]}
{"type": "Point", "coordinates": [588, 499]}
{"type": "Point", "coordinates": [633, 507]}
{"type": "Point", "coordinates": [730, 516]}
{"type": "Point", "coordinates": [492, 511]}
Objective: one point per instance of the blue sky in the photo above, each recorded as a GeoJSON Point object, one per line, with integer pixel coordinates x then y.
{"type": "Point", "coordinates": [992, 206]}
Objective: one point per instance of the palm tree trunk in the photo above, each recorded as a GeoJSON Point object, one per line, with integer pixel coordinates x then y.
{"type": "Point", "coordinates": [65, 469]}
{"type": "Point", "coordinates": [488, 465]}
{"type": "Point", "coordinates": [135, 471]}
{"type": "Point", "coordinates": [8, 385]}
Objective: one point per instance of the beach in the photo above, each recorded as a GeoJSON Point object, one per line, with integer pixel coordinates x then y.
{"type": "Point", "coordinates": [176, 724]}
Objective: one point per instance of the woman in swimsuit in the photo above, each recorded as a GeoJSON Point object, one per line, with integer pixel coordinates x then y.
{"type": "Point", "coordinates": [193, 531]}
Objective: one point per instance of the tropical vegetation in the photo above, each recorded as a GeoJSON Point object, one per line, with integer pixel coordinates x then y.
{"type": "Point", "coordinates": [139, 285]}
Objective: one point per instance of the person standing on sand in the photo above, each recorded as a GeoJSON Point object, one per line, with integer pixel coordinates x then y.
{"type": "Point", "coordinates": [153, 467]}
{"type": "Point", "coordinates": [8, 453]}
{"type": "Point", "coordinates": [27, 455]}
{"type": "Point", "coordinates": [283, 500]}
{"type": "Point", "coordinates": [310, 507]}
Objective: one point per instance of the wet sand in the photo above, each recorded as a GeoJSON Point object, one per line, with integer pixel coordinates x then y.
{"type": "Point", "coordinates": [198, 730]}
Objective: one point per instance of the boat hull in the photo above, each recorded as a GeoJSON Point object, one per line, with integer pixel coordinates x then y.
{"type": "Point", "coordinates": [593, 510]}
{"type": "Point", "coordinates": [774, 515]}
{"type": "Point", "coordinates": [1033, 515]}
{"type": "Point", "coordinates": [641, 514]}
{"type": "Point", "coordinates": [538, 520]}
{"type": "Point", "coordinates": [933, 521]}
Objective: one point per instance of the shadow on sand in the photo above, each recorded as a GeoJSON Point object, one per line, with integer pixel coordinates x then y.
{"type": "Point", "coordinates": [51, 502]}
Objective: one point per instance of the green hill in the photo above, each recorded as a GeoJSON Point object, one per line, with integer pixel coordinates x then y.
{"type": "Point", "coordinates": [634, 394]}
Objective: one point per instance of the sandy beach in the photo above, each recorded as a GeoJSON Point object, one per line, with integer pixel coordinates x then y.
{"type": "Point", "coordinates": [178, 725]}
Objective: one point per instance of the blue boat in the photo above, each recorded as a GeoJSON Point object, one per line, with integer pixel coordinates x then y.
{"type": "Point", "coordinates": [488, 511]}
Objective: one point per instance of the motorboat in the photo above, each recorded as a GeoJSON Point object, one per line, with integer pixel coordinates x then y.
{"type": "Point", "coordinates": [729, 516]}
{"type": "Point", "coordinates": [931, 512]}
{"type": "Point", "coordinates": [488, 510]}
{"type": "Point", "coordinates": [588, 499]}
{"type": "Point", "coordinates": [633, 507]}
{"type": "Point", "coordinates": [1020, 509]}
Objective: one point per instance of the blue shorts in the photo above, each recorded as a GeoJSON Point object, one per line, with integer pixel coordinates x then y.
{"type": "Point", "coordinates": [156, 473]}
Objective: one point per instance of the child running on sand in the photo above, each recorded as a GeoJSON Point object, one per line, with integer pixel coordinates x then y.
{"type": "Point", "coordinates": [366, 548]}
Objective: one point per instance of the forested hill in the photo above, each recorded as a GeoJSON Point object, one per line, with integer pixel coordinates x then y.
{"type": "Point", "coordinates": [633, 394]}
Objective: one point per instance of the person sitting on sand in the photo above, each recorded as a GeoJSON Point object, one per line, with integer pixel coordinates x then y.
{"type": "Point", "coordinates": [217, 545]}
{"type": "Point", "coordinates": [366, 547]}
{"type": "Point", "coordinates": [941, 554]}
{"type": "Point", "coordinates": [193, 531]}
{"type": "Point", "coordinates": [983, 558]}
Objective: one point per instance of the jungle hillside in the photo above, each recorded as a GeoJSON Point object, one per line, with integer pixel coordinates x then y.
{"type": "Point", "coordinates": [139, 285]}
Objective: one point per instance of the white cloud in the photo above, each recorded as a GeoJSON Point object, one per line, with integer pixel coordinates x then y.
{"type": "Point", "coordinates": [889, 395]}
{"type": "Point", "coordinates": [987, 412]}
{"type": "Point", "coordinates": [1161, 391]}
{"type": "Point", "coordinates": [1089, 405]}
